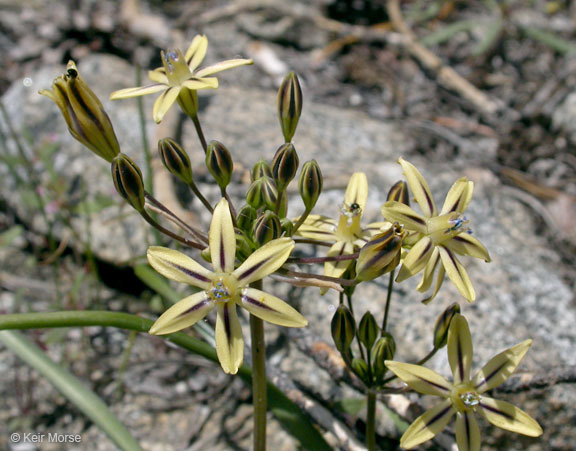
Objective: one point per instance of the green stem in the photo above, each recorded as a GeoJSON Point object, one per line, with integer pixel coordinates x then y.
{"type": "Point", "coordinates": [230, 205]}
{"type": "Point", "coordinates": [200, 133]}
{"type": "Point", "coordinates": [259, 398]}
{"type": "Point", "coordinates": [200, 196]}
{"type": "Point", "coordinates": [371, 420]}
{"type": "Point", "coordinates": [288, 413]}
{"type": "Point", "coordinates": [301, 221]}
{"type": "Point", "coordinates": [388, 298]}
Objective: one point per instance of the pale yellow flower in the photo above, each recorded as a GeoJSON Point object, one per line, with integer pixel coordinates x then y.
{"type": "Point", "coordinates": [436, 237]}
{"type": "Point", "coordinates": [224, 288]}
{"type": "Point", "coordinates": [465, 396]}
{"type": "Point", "coordinates": [179, 79]}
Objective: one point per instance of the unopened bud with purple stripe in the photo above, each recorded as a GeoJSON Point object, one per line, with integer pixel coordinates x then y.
{"type": "Point", "coordinates": [381, 254]}
{"type": "Point", "coordinates": [128, 181]}
{"type": "Point", "coordinates": [175, 159]}
{"type": "Point", "coordinates": [219, 163]}
{"type": "Point", "coordinates": [289, 105]}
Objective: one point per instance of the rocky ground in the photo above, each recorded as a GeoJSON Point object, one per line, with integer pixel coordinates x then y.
{"type": "Point", "coordinates": [491, 95]}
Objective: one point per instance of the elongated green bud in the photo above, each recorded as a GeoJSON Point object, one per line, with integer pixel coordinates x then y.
{"type": "Point", "coordinates": [360, 368]}
{"type": "Point", "coordinates": [262, 193]}
{"type": "Point", "coordinates": [310, 184]}
{"type": "Point", "coordinates": [266, 228]}
{"type": "Point", "coordinates": [443, 324]}
{"type": "Point", "coordinates": [289, 105]}
{"type": "Point", "coordinates": [84, 114]}
{"type": "Point", "coordinates": [343, 329]}
{"type": "Point", "coordinates": [285, 165]}
{"type": "Point", "coordinates": [384, 349]}
{"type": "Point", "coordinates": [399, 193]}
{"type": "Point", "coordinates": [381, 254]}
{"type": "Point", "coordinates": [261, 169]}
{"type": "Point", "coordinates": [175, 159]}
{"type": "Point", "coordinates": [128, 181]}
{"type": "Point", "coordinates": [245, 218]}
{"type": "Point", "coordinates": [219, 163]}
{"type": "Point", "coordinates": [368, 330]}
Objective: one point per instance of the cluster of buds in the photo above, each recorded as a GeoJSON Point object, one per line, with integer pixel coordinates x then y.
{"type": "Point", "coordinates": [245, 246]}
{"type": "Point", "coordinates": [374, 344]}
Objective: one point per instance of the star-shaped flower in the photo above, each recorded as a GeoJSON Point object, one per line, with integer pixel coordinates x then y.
{"type": "Point", "coordinates": [437, 237]}
{"type": "Point", "coordinates": [348, 234]}
{"type": "Point", "coordinates": [224, 288]}
{"type": "Point", "coordinates": [179, 79]}
{"type": "Point", "coordinates": [465, 396]}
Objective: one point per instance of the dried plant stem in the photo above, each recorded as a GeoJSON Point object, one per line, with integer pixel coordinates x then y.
{"type": "Point", "coordinates": [162, 209]}
{"type": "Point", "coordinates": [169, 233]}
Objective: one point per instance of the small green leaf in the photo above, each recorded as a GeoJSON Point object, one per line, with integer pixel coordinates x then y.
{"type": "Point", "coordinates": [71, 387]}
{"type": "Point", "coordinates": [351, 406]}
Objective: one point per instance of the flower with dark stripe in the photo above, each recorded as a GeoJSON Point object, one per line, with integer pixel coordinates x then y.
{"type": "Point", "coordinates": [465, 396]}
{"type": "Point", "coordinates": [347, 233]}
{"type": "Point", "coordinates": [224, 288]}
{"type": "Point", "coordinates": [179, 79]}
{"type": "Point", "coordinates": [436, 237]}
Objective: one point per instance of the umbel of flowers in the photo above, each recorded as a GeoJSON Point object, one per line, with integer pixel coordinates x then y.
{"type": "Point", "coordinates": [247, 243]}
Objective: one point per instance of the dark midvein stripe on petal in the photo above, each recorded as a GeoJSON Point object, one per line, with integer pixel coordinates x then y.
{"type": "Point", "coordinates": [468, 436]}
{"type": "Point", "coordinates": [454, 262]}
{"type": "Point", "coordinates": [486, 379]}
{"type": "Point", "coordinates": [439, 415]}
{"type": "Point", "coordinates": [433, 384]}
{"type": "Point", "coordinates": [496, 411]}
{"type": "Point", "coordinates": [222, 253]}
{"type": "Point", "coordinates": [256, 303]}
{"type": "Point", "coordinates": [253, 268]}
{"type": "Point", "coordinates": [227, 325]}
{"type": "Point", "coordinates": [416, 218]}
{"type": "Point", "coordinates": [460, 359]}
{"type": "Point", "coordinates": [429, 201]}
{"type": "Point", "coordinates": [195, 307]}
{"type": "Point", "coordinates": [190, 273]}
{"type": "Point", "coordinates": [144, 88]}
{"type": "Point", "coordinates": [425, 250]}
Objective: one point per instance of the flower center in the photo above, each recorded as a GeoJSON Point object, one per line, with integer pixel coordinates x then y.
{"type": "Point", "coordinates": [465, 398]}
{"type": "Point", "coordinates": [444, 227]}
{"type": "Point", "coordinates": [349, 228]}
{"type": "Point", "coordinates": [223, 288]}
{"type": "Point", "coordinates": [175, 66]}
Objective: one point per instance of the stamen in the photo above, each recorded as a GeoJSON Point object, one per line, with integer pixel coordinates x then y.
{"type": "Point", "coordinates": [470, 399]}
{"type": "Point", "coordinates": [219, 292]}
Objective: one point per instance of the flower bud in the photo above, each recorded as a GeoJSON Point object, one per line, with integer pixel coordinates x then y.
{"type": "Point", "coordinates": [310, 184]}
{"type": "Point", "coordinates": [266, 228]}
{"type": "Point", "coordinates": [262, 193]}
{"type": "Point", "coordinates": [399, 193]}
{"type": "Point", "coordinates": [245, 218]}
{"type": "Point", "coordinates": [128, 181]}
{"type": "Point", "coordinates": [289, 105]}
{"type": "Point", "coordinates": [261, 169]}
{"type": "Point", "coordinates": [219, 163]}
{"type": "Point", "coordinates": [287, 226]}
{"type": "Point", "coordinates": [343, 329]}
{"type": "Point", "coordinates": [360, 368]}
{"type": "Point", "coordinates": [443, 324]}
{"type": "Point", "coordinates": [381, 254]}
{"type": "Point", "coordinates": [175, 159]}
{"type": "Point", "coordinates": [367, 330]}
{"type": "Point", "coordinates": [384, 349]}
{"type": "Point", "coordinates": [285, 165]}
{"type": "Point", "coordinates": [84, 114]}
